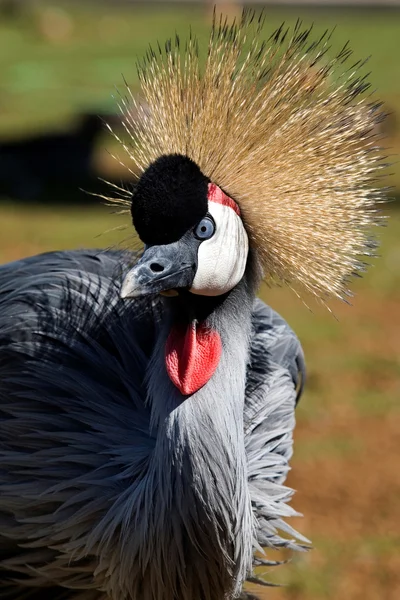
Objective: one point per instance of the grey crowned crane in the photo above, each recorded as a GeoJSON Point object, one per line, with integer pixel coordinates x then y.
{"type": "Point", "coordinates": [147, 402]}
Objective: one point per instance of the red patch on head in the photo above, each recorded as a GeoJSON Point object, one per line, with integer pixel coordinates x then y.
{"type": "Point", "coordinates": [192, 355]}
{"type": "Point", "coordinates": [215, 194]}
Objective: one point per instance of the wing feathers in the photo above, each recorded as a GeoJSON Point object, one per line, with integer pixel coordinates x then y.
{"type": "Point", "coordinates": [276, 370]}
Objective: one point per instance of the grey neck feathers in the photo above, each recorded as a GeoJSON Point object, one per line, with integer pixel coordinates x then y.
{"type": "Point", "coordinates": [195, 521]}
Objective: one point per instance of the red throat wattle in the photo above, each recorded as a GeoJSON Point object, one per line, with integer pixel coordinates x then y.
{"type": "Point", "coordinates": [192, 355]}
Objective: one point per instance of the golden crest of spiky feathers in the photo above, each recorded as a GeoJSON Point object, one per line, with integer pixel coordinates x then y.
{"type": "Point", "coordinates": [286, 132]}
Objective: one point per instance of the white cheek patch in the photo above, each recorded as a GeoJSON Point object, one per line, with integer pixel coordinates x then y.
{"type": "Point", "coordinates": [221, 259]}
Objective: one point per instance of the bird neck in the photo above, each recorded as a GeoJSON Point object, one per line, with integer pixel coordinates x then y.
{"type": "Point", "coordinates": [201, 510]}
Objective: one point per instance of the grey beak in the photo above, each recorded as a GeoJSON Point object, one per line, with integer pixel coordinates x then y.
{"type": "Point", "coordinates": [162, 268]}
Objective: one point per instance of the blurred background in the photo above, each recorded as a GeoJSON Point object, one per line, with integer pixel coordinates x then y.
{"type": "Point", "coordinates": [60, 65]}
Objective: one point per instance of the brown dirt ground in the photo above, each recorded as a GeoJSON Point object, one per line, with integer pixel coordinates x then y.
{"type": "Point", "coordinates": [346, 464]}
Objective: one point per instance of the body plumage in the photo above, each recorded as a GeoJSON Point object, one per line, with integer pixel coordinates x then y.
{"type": "Point", "coordinates": [102, 490]}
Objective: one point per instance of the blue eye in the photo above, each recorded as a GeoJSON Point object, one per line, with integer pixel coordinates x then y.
{"type": "Point", "coordinates": [205, 229]}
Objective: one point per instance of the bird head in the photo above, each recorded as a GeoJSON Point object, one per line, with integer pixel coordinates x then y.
{"type": "Point", "coordinates": [193, 233]}
{"type": "Point", "coordinates": [286, 132]}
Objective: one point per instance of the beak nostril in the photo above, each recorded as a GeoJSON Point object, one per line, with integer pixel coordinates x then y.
{"type": "Point", "coordinates": [156, 267]}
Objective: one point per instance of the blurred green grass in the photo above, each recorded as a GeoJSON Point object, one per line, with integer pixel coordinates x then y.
{"type": "Point", "coordinates": [57, 58]}
{"type": "Point", "coordinates": [31, 229]}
